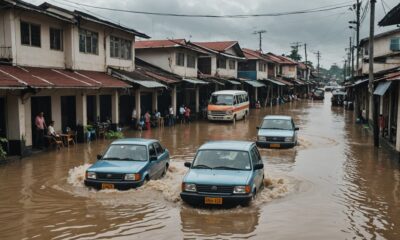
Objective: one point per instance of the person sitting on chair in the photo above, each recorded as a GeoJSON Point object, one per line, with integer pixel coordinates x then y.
{"type": "Point", "coordinates": [51, 131]}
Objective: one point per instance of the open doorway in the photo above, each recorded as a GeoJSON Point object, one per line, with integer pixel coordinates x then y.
{"type": "Point", "coordinates": [91, 109]}
{"type": "Point", "coordinates": [68, 112]}
{"type": "Point", "coordinates": [105, 108]}
{"type": "Point", "coordinates": [38, 105]}
{"type": "Point", "coordinates": [126, 105]}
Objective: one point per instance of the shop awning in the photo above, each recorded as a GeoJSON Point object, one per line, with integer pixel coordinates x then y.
{"type": "Point", "coordinates": [127, 76]}
{"type": "Point", "coordinates": [234, 82]}
{"type": "Point", "coordinates": [194, 81]}
{"type": "Point", "coordinates": [275, 82]}
{"type": "Point", "coordinates": [255, 84]}
{"type": "Point", "coordinates": [149, 84]}
{"type": "Point", "coordinates": [33, 77]}
{"type": "Point", "coordinates": [382, 88]}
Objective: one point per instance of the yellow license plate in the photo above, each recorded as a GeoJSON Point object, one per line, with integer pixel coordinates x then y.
{"type": "Point", "coordinates": [107, 186]}
{"type": "Point", "coordinates": [215, 201]}
{"type": "Point", "coordinates": [274, 145]}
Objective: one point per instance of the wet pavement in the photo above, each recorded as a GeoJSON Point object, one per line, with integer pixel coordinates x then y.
{"type": "Point", "coordinates": [334, 185]}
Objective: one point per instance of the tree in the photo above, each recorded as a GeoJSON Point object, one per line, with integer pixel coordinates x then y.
{"type": "Point", "coordinates": [294, 54]}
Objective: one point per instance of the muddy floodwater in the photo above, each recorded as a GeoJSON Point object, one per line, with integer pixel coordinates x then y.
{"type": "Point", "coordinates": [334, 185]}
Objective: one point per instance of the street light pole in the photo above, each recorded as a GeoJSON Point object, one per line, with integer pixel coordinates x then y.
{"type": "Point", "coordinates": [358, 35]}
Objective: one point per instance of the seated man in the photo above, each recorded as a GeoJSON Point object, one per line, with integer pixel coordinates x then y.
{"type": "Point", "coordinates": [51, 131]}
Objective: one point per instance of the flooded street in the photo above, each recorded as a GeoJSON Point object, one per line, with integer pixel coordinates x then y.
{"type": "Point", "coordinates": [334, 185]}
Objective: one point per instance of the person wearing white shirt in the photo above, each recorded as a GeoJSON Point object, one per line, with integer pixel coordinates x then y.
{"type": "Point", "coordinates": [171, 116]}
{"type": "Point", "coordinates": [51, 131]}
{"type": "Point", "coordinates": [134, 118]}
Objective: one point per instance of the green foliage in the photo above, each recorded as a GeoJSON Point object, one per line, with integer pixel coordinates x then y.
{"type": "Point", "coordinates": [114, 135]}
{"type": "Point", "coordinates": [3, 153]}
{"type": "Point", "coordinates": [294, 54]}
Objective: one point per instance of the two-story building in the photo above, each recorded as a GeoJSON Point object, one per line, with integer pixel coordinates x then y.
{"type": "Point", "coordinates": [55, 61]}
{"type": "Point", "coordinates": [181, 58]}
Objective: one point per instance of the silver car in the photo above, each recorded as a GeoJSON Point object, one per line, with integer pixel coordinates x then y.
{"type": "Point", "coordinates": [277, 132]}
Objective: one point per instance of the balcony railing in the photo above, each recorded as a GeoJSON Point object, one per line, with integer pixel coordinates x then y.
{"type": "Point", "coordinates": [5, 53]}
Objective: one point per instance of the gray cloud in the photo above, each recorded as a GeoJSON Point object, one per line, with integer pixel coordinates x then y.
{"type": "Point", "coordinates": [327, 32]}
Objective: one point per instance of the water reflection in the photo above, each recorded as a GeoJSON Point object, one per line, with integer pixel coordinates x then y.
{"type": "Point", "coordinates": [237, 223]}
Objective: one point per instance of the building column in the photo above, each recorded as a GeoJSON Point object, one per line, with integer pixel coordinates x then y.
{"type": "Point", "coordinates": [398, 122]}
{"type": "Point", "coordinates": [81, 109]}
{"type": "Point", "coordinates": [15, 125]}
{"type": "Point", "coordinates": [56, 112]}
{"type": "Point", "coordinates": [173, 100]}
{"type": "Point", "coordinates": [138, 104]}
{"type": "Point", "coordinates": [155, 100]}
{"type": "Point", "coordinates": [115, 107]}
{"type": "Point", "coordinates": [197, 99]}
{"type": "Point", "coordinates": [256, 94]}
{"type": "Point", "coordinates": [216, 87]}
{"type": "Point", "coordinates": [97, 107]}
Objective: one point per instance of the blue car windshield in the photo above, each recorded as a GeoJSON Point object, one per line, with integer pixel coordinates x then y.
{"type": "Point", "coordinates": [222, 159]}
{"type": "Point", "coordinates": [280, 124]}
{"type": "Point", "coordinates": [126, 152]}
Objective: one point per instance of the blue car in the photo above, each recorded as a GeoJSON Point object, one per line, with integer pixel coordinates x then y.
{"type": "Point", "coordinates": [128, 163]}
{"type": "Point", "coordinates": [224, 173]}
{"type": "Point", "coordinates": [277, 132]}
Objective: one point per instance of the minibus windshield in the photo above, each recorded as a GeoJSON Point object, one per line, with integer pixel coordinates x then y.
{"type": "Point", "coordinates": [221, 100]}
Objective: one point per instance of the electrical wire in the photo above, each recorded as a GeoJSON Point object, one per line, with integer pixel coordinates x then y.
{"type": "Point", "coordinates": [314, 10]}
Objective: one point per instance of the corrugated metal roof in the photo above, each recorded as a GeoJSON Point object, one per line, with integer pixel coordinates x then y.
{"type": "Point", "coordinates": [234, 82]}
{"type": "Point", "coordinates": [382, 88]}
{"type": "Point", "coordinates": [16, 76]}
{"type": "Point", "coordinates": [255, 84]}
{"type": "Point", "coordinates": [195, 81]}
{"type": "Point", "coordinates": [127, 76]}
{"type": "Point", "coordinates": [275, 82]}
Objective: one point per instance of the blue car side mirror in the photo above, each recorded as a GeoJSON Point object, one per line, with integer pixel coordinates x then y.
{"type": "Point", "coordinates": [258, 166]}
{"type": "Point", "coordinates": [99, 156]}
{"type": "Point", "coordinates": [188, 164]}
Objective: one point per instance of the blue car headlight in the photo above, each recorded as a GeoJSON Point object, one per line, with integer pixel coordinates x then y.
{"type": "Point", "coordinates": [90, 175]}
{"type": "Point", "coordinates": [132, 177]}
{"type": "Point", "coordinates": [288, 139]}
{"type": "Point", "coordinates": [242, 189]}
{"type": "Point", "coordinates": [189, 187]}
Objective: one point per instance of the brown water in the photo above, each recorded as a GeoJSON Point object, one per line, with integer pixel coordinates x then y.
{"type": "Point", "coordinates": [335, 185]}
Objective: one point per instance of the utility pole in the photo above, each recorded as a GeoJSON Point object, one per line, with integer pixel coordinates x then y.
{"type": "Point", "coordinates": [371, 75]}
{"type": "Point", "coordinates": [260, 37]}
{"type": "Point", "coordinates": [345, 70]}
{"type": "Point", "coordinates": [358, 34]}
{"type": "Point", "coordinates": [351, 58]}
{"type": "Point", "coordinates": [318, 53]}
{"type": "Point", "coordinates": [305, 58]}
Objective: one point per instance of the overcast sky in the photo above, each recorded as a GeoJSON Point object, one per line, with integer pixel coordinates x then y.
{"type": "Point", "coordinates": [327, 32]}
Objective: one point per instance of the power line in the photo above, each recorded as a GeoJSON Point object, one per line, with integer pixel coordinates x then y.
{"type": "Point", "coordinates": [314, 10]}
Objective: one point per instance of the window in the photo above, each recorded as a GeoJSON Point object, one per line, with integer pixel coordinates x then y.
{"type": "Point", "coordinates": [180, 59]}
{"type": "Point", "coordinates": [152, 151]}
{"type": "Point", "coordinates": [56, 39]}
{"type": "Point", "coordinates": [120, 48]}
{"type": "Point", "coordinates": [232, 64]}
{"type": "Point", "coordinates": [366, 48]}
{"type": "Point", "coordinates": [30, 34]}
{"type": "Point", "coordinates": [191, 61]}
{"type": "Point", "coordinates": [254, 157]}
{"type": "Point", "coordinates": [395, 44]}
{"type": "Point", "coordinates": [291, 68]}
{"type": "Point", "coordinates": [159, 149]}
{"type": "Point", "coordinates": [221, 63]}
{"type": "Point", "coordinates": [262, 67]}
{"type": "Point", "coordinates": [88, 41]}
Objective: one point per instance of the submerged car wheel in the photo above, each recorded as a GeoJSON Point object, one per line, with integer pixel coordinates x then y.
{"type": "Point", "coordinates": [165, 171]}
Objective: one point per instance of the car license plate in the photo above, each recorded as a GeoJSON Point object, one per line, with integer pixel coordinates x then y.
{"type": "Point", "coordinates": [107, 186]}
{"type": "Point", "coordinates": [215, 201]}
{"type": "Point", "coordinates": [274, 145]}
